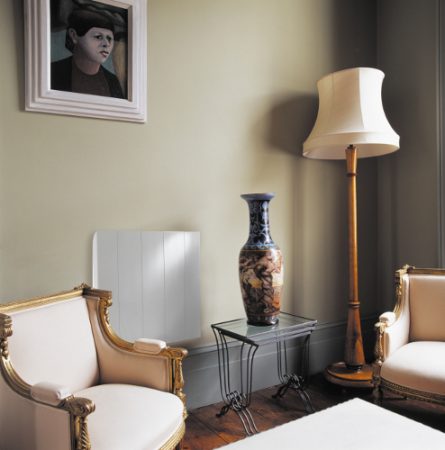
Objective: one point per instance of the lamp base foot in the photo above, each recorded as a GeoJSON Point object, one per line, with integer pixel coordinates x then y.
{"type": "Point", "coordinates": [339, 373]}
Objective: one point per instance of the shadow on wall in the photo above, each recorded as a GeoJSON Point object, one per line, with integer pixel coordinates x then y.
{"type": "Point", "coordinates": [19, 46]}
{"type": "Point", "coordinates": [317, 209]}
{"type": "Point", "coordinates": [290, 122]}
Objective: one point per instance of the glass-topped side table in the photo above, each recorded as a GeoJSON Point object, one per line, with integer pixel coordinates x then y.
{"type": "Point", "coordinates": [252, 337]}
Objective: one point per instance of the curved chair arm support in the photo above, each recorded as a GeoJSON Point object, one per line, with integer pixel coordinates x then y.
{"type": "Point", "coordinates": [401, 289]}
{"type": "Point", "coordinates": [79, 408]}
{"type": "Point", "coordinates": [381, 348]}
{"type": "Point", "coordinates": [176, 355]}
{"type": "Point", "coordinates": [393, 326]}
{"type": "Point", "coordinates": [392, 329]}
{"type": "Point", "coordinates": [11, 377]}
{"type": "Point", "coordinates": [131, 351]}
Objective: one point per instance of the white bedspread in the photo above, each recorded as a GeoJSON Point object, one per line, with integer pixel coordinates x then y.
{"type": "Point", "coordinates": [352, 425]}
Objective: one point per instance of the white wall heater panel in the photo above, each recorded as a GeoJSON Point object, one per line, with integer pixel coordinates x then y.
{"type": "Point", "coordinates": [154, 277]}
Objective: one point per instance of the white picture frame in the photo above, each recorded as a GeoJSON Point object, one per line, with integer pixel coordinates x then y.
{"type": "Point", "coordinates": [39, 37]}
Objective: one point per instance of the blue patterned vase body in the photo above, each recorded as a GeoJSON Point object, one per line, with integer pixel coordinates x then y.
{"type": "Point", "coordinates": [260, 265]}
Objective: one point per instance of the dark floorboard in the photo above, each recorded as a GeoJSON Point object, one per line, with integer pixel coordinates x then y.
{"type": "Point", "coordinates": [205, 431]}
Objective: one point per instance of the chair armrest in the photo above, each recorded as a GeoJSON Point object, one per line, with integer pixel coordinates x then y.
{"type": "Point", "coordinates": [393, 327]}
{"type": "Point", "coordinates": [149, 346]}
{"type": "Point", "coordinates": [139, 365]}
{"type": "Point", "coordinates": [49, 393]}
{"type": "Point", "coordinates": [392, 332]}
{"type": "Point", "coordinates": [388, 318]}
{"type": "Point", "coordinates": [147, 362]}
{"type": "Point", "coordinates": [396, 335]}
{"type": "Point", "coordinates": [61, 418]}
{"type": "Point", "coordinates": [29, 424]}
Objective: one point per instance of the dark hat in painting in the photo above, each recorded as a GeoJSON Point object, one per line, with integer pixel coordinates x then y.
{"type": "Point", "coordinates": [82, 20]}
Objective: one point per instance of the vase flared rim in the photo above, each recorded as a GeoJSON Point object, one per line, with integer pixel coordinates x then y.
{"type": "Point", "coordinates": [259, 196]}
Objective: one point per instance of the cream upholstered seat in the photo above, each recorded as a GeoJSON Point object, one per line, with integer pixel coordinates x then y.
{"type": "Point", "coordinates": [68, 382]}
{"type": "Point", "coordinates": [410, 346]}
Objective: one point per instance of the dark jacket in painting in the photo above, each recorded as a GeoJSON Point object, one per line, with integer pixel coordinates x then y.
{"type": "Point", "coordinates": [61, 73]}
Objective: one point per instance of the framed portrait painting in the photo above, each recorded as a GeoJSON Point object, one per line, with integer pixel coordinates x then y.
{"type": "Point", "coordinates": [87, 58]}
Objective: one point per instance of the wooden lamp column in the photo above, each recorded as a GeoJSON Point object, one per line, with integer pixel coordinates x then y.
{"type": "Point", "coordinates": [351, 116]}
{"type": "Point", "coordinates": [353, 371]}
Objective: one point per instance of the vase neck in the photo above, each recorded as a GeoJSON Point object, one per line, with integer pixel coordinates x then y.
{"type": "Point", "coordinates": [259, 231]}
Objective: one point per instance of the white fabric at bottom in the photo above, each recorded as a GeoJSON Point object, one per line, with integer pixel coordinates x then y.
{"type": "Point", "coordinates": [131, 417]}
{"type": "Point", "coordinates": [352, 425]}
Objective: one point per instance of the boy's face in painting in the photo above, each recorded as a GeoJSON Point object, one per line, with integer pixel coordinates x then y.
{"type": "Point", "coordinates": [95, 45]}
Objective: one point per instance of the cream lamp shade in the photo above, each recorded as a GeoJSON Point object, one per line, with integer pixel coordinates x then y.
{"type": "Point", "coordinates": [351, 113]}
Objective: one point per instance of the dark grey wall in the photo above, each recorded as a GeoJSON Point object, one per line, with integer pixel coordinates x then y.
{"type": "Point", "coordinates": [408, 181]}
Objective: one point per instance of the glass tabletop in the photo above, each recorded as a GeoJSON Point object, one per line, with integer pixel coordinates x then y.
{"type": "Point", "coordinates": [288, 325]}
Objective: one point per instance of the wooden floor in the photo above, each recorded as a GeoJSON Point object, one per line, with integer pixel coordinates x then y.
{"type": "Point", "coordinates": [205, 431]}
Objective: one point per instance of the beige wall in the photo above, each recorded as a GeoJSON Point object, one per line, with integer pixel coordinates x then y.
{"type": "Point", "coordinates": [231, 97]}
{"type": "Point", "coordinates": [408, 194]}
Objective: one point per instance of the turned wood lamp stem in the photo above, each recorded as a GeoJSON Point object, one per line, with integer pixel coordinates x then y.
{"type": "Point", "coordinates": [354, 355]}
{"type": "Point", "coordinates": [353, 371]}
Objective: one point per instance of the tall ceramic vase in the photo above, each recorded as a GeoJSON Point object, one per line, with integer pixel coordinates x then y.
{"type": "Point", "coordinates": [260, 265]}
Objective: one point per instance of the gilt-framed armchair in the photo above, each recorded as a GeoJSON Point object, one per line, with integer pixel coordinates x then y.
{"type": "Point", "coordinates": [69, 383]}
{"type": "Point", "coordinates": [410, 346]}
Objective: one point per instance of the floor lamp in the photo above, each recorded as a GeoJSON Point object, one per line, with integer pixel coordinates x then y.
{"type": "Point", "coordinates": [351, 124]}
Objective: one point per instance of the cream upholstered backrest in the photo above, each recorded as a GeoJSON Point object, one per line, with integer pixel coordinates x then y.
{"type": "Point", "coordinates": [55, 343]}
{"type": "Point", "coordinates": [427, 307]}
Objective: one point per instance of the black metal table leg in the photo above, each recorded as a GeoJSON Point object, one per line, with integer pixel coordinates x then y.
{"type": "Point", "coordinates": [238, 401]}
{"type": "Point", "coordinates": [296, 383]}
{"type": "Point", "coordinates": [292, 380]}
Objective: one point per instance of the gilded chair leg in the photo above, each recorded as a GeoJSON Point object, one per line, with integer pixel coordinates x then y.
{"type": "Point", "coordinates": [377, 395]}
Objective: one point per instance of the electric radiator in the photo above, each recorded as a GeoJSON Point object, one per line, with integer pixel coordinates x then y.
{"type": "Point", "coordinates": [154, 278]}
